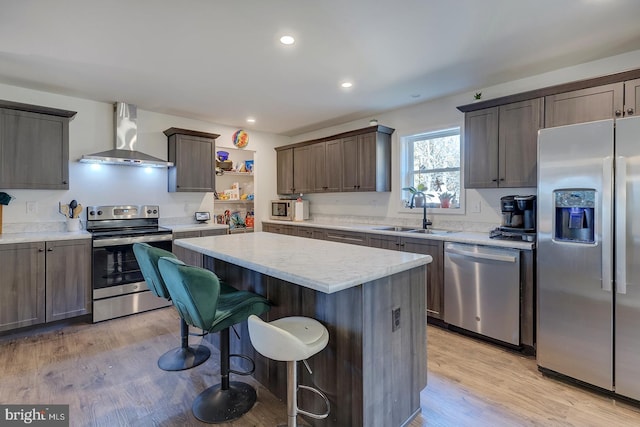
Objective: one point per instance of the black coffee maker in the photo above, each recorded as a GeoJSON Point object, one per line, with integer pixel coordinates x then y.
{"type": "Point", "coordinates": [511, 213]}
{"type": "Point", "coordinates": [527, 205]}
{"type": "Point", "coordinates": [518, 213]}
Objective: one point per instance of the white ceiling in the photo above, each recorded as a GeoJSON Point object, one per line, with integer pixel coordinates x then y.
{"type": "Point", "coordinates": [221, 61]}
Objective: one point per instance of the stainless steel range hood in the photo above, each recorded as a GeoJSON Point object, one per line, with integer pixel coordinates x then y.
{"type": "Point", "coordinates": [125, 117]}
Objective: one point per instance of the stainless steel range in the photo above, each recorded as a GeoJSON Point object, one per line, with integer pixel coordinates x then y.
{"type": "Point", "coordinates": [118, 286]}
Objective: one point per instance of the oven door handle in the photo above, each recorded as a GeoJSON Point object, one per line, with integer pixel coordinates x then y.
{"type": "Point", "coordinates": [117, 241]}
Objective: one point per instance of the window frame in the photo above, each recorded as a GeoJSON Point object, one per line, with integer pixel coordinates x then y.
{"type": "Point", "coordinates": [406, 159]}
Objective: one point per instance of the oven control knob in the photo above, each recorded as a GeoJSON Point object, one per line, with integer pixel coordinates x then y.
{"type": "Point", "coordinates": [148, 211]}
{"type": "Point", "coordinates": [99, 212]}
{"type": "Point", "coordinates": [92, 213]}
{"type": "Point", "coordinates": [155, 211]}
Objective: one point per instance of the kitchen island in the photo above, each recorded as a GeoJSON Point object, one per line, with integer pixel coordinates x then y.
{"type": "Point", "coordinates": [371, 300]}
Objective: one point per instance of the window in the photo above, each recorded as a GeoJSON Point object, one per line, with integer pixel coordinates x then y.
{"type": "Point", "coordinates": [432, 165]}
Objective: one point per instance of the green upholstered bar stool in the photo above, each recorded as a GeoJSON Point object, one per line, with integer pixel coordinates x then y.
{"type": "Point", "coordinates": [197, 295]}
{"type": "Point", "coordinates": [291, 339]}
{"type": "Point", "coordinates": [183, 357]}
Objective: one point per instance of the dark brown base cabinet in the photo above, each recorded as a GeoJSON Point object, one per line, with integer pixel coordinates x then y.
{"type": "Point", "coordinates": [44, 282]}
{"type": "Point", "coordinates": [435, 270]}
{"type": "Point", "coordinates": [191, 257]}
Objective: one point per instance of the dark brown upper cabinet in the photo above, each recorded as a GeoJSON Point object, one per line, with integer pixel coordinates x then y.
{"type": "Point", "coordinates": [34, 146]}
{"type": "Point", "coordinates": [193, 156]}
{"type": "Point", "coordinates": [501, 145]}
{"type": "Point", "coordinates": [359, 160]}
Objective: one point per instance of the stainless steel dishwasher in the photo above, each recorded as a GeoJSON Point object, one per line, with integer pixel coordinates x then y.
{"type": "Point", "coordinates": [482, 290]}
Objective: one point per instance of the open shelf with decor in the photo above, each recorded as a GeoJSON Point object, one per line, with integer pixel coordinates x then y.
{"type": "Point", "coordinates": [233, 198]}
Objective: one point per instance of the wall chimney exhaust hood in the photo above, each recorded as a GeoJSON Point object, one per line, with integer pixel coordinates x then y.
{"type": "Point", "coordinates": [125, 117]}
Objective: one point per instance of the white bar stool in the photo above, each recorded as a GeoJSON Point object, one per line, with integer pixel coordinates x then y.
{"type": "Point", "coordinates": [291, 339]}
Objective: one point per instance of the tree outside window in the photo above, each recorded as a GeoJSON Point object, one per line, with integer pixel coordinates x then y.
{"type": "Point", "coordinates": [433, 167]}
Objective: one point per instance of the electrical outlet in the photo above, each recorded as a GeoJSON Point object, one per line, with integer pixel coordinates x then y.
{"type": "Point", "coordinates": [32, 208]}
{"type": "Point", "coordinates": [475, 207]}
{"type": "Point", "coordinates": [395, 319]}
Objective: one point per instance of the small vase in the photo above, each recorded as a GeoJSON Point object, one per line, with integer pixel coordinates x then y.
{"type": "Point", "coordinates": [445, 203]}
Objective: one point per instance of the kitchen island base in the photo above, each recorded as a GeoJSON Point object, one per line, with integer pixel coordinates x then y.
{"type": "Point", "coordinates": [375, 364]}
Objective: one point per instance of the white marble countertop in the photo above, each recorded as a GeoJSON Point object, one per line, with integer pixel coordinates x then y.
{"type": "Point", "coordinates": [316, 264]}
{"type": "Point", "coordinates": [196, 227]}
{"type": "Point", "coordinates": [43, 236]}
{"type": "Point", "coordinates": [469, 237]}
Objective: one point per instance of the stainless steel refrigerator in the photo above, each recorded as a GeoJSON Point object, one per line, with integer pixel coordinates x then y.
{"type": "Point", "coordinates": [588, 266]}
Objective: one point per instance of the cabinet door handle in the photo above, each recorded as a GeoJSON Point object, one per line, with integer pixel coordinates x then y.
{"type": "Point", "coordinates": [64, 182]}
{"type": "Point", "coordinates": [494, 180]}
{"type": "Point", "coordinates": [501, 179]}
{"type": "Point", "coordinates": [40, 250]}
{"type": "Point", "coordinates": [618, 113]}
{"type": "Point", "coordinates": [630, 111]}
{"type": "Point", "coordinates": [50, 250]}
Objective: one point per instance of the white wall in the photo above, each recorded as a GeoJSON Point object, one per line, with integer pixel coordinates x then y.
{"type": "Point", "coordinates": [437, 114]}
{"type": "Point", "coordinates": [92, 130]}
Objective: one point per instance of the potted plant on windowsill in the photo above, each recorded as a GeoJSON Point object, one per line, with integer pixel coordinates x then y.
{"type": "Point", "coordinates": [446, 198]}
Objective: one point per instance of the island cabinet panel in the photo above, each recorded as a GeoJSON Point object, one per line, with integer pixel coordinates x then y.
{"type": "Point", "coordinates": [371, 370]}
{"type": "Point", "coordinates": [22, 288]}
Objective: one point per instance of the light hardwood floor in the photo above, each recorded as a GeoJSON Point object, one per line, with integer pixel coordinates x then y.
{"type": "Point", "coordinates": [107, 373]}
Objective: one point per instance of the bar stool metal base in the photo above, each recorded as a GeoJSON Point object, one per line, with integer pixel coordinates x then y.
{"type": "Point", "coordinates": [183, 357]}
{"type": "Point", "coordinates": [215, 405]}
{"type": "Point", "coordinates": [180, 358]}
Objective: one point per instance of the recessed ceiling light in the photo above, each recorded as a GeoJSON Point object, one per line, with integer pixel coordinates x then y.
{"type": "Point", "coordinates": [251, 120]}
{"type": "Point", "coordinates": [346, 85]}
{"type": "Point", "coordinates": [288, 40]}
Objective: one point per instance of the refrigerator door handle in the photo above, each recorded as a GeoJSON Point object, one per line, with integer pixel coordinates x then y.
{"type": "Point", "coordinates": [606, 226]}
{"type": "Point", "coordinates": [621, 225]}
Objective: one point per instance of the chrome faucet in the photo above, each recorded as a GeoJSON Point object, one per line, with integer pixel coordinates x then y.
{"type": "Point", "coordinates": [421, 197]}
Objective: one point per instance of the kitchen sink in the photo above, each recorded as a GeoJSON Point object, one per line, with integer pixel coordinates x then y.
{"type": "Point", "coordinates": [396, 228]}
{"type": "Point", "coordinates": [431, 231]}
{"type": "Point", "coordinates": [414, 230]}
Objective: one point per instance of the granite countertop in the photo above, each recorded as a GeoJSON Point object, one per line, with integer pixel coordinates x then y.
{"type": "Point", "coordinates": [316, 264]}
{"type": "Point", "coordinates": [42, 236]}
{"type": "Point", "coordinates": [470, 237]}
{"type": "Point", "coordinates": [196, 227]}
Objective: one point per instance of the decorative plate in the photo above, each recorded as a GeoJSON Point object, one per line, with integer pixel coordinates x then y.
{"type": "Point", "coordinates": [240, 138]}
